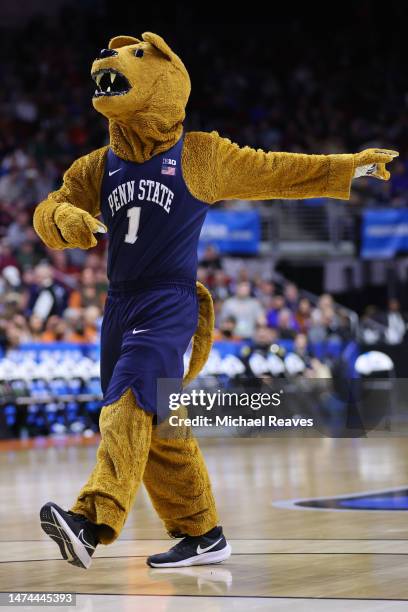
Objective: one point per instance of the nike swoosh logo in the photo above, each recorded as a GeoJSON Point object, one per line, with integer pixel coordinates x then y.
{"type": "Point", "coordinates": [200, 550]}
{"type": "Point", "coordinates": [82, 539]}
{"type": "Point", "coordinates": [114, 171]}
{"type": "Point", "coordinates": [139, 331]}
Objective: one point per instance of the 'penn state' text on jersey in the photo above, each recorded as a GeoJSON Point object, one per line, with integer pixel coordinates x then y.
{"type": "Point", "coordinates": [153, 221]}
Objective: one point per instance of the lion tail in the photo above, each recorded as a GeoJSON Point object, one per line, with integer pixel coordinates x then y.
{"type": "Point", "coordinates": [203, 337]}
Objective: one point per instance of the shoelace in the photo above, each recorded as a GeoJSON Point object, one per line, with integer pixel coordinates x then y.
{"type": "Point", "coordinates": [78, 517]}
{"type": "Point", "coordinates": [89, 526]}
{"type": "Point", "coordinates": [185, 543]}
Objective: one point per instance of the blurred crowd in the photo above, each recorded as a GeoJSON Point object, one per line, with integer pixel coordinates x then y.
{"type": "Point", "coordinates": [389, 326]}
{"type": "Point", "coordinates": [249, 307]}
{"type": "Point", "coordinates": [303, 100]}
{"type": "Point", "coordinates": [59, 296]}
{"type": "Point", "coordinates": [56, 300]}
{"type": "Point", "coordinates": [49, 296]}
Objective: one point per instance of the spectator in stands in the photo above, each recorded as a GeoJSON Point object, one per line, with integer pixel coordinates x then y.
{"type": "Point", "coordinates": [13, 335]}
{"type": "Point", "coordinates": [344, 325]}
{"type": "Point", "coordinates": [264, 337]}
{"type": "Point", "coordinates": [325, 322]}
{"type": "Point", "coordinates": [47, 296]}
{"type": "Point", "coordinates": [291, 294]}
{"type": "Point", "coordinates": [79, 333]}
{"type": "Point", "coordinates": [4, 341]}
{"type": "Point", "coordinates": [396, 323]}
{"type": "Point", "coordinates": [11, 187]}
{"type": "Point", "coordinates": [65, 270]}
{"type": "Point", "coordinates": [17, 231]}
{"type": "Point", "coordinates": [303, 315]}
{"type": "Point", "coordinates": [21, 324]}
{"type": "Point", "coordinates": [329, 323]}
{"type": "Point", "coordinates": [7, 257]}
{"type": "Point", "coordinates": [28, 255]}
{"type": "Point", "coordinates": [246, 310]}
{"type": "Point", "coordinates": [13, 296]}
{"type": "Point", "coordinates": [325, 304]}
{"type": "Point", "coordinates": [264, 291]}
{"type": "Point", "coordinates": [202, 275]}
{"type": "Point", "coordinates": [278, 303]}
{"type": "Point", "coordinates": [55, 330]}
{"type": "Point", "coordinates": [301, 348]}
{"type": "Point", "coordinates": [87, 294]}
{"type": "Point", "coordinates": [220, 286]}
{"type": "Point", "coordinates": [211, 259]}
{"type": "Point", "coordinates": [226, 330]}
{"type": "Point", "coordinates": [11, 279]}
{"type": "Point", "coordinates": [371, 330]}
{"type": "Point", "coordinates": [36, 328]}
{"type": "Point", "coordinates": [315, 368]}
{"type": "Point", "coordinates": [287, 326]}
{"type": "Point", "coordinates": [92, 322]}
{"type": "Point", "coordinates": [399, 184]}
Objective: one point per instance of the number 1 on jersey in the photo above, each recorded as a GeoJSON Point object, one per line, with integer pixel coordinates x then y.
{"type": "Point", "coordinates": [134, 220]}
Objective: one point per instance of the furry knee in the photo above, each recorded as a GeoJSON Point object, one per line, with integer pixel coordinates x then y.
{"type": "Point", "coordinates": [126, 429]}
{"type": "Point", "coordinates": [124, 414]}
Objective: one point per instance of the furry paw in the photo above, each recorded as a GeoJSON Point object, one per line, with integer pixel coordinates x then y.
{"type": "Point", "coordinates": [372, 162]}
{"type": "Point", "coordinates": [77, 226]}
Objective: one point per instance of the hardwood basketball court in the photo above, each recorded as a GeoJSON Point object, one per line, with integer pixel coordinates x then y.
{"type": "Point", "coordinates": [284, 558]}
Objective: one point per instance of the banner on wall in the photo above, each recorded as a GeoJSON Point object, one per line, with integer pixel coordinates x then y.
{"type": "Point", "coordinates": [232, 231]}
{"type": "Point", "coordinates": [384, 233]}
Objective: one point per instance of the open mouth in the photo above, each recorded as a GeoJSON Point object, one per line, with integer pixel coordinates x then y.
{"type": "Point", "coordinates": [110, 82]}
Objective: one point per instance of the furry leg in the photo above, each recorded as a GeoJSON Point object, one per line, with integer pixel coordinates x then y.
{"type": "Point", "coordinates": [178, 484]}
{"type": "Point", "coordinates": [107, 497]}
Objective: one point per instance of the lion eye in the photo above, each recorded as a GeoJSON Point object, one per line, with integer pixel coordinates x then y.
{"type": "Point", "coordinates": [139, 53]}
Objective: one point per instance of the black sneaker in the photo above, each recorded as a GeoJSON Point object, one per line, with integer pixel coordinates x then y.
{"type": "Point", "coordinates": [211, 547]}
{"type": "Point", "coordinates": [74, 534]}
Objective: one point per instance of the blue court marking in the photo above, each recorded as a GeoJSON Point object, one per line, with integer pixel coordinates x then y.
{"type": "Point", "coordinates": [386, 500]}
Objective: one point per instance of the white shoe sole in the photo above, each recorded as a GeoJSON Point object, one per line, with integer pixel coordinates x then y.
{"type": "Point", "coordinates": [57, 528]}
{"type": "Point", "coordinates": [217, 556]}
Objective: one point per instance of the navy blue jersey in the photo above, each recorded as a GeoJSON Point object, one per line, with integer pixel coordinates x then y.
{"type": "Point", "coordinates": [153, 221]}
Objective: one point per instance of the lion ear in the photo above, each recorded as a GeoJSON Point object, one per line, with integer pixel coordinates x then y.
{"type": "Point", "coordinates": [159, 43]}
{"type": "Point", "coordinates": [122, 41]}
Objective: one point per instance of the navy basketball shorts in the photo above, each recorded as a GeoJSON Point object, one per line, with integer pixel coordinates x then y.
{"type": "Point", "coordinates": [145, 333]}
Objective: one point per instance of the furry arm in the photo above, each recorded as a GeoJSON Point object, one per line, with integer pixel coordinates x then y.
{"type": "Point", "coordinates": [216, 169]}
{"type": "Point", "coordinates": [66, 219]}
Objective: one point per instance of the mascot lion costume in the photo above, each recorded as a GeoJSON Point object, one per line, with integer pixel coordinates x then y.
{"type": "Point", "coordinates": [153, 185]}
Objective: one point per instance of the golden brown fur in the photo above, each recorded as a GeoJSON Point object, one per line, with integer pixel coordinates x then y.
{"type": "Point", "coordinates": [132, 449]}
{"type": "Point", "coordinates": [149, 119]}
{"type": "Point", "coordinates": [203, 337]}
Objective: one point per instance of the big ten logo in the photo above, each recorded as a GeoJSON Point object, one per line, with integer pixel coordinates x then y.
{"type": "Point", "coordinates": [169, 162]}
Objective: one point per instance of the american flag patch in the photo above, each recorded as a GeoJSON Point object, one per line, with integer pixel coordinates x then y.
{"type": "Point", "coordinates": [169, 170]}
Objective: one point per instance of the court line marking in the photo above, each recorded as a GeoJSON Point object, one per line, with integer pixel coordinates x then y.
{"type": "Point", "coordinates": [252, 540]}
{"type": "Point", "coordinates": [291, 504]}
{"type": "Point", "coordinates": [248, 554]}
{"type": "Point", "coordinates": [292, 597]}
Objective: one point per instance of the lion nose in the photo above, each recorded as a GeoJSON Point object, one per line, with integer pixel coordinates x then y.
{"type": "Point", "coordinates": [107, 53]}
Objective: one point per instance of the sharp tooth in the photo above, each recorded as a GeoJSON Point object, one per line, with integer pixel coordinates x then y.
{"type": "Point", "coordinates": [98, 78]}
{"type": "Point", "coordinates": [112, 76]}
{"type": "Point", "coordinates": [108, 90]}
